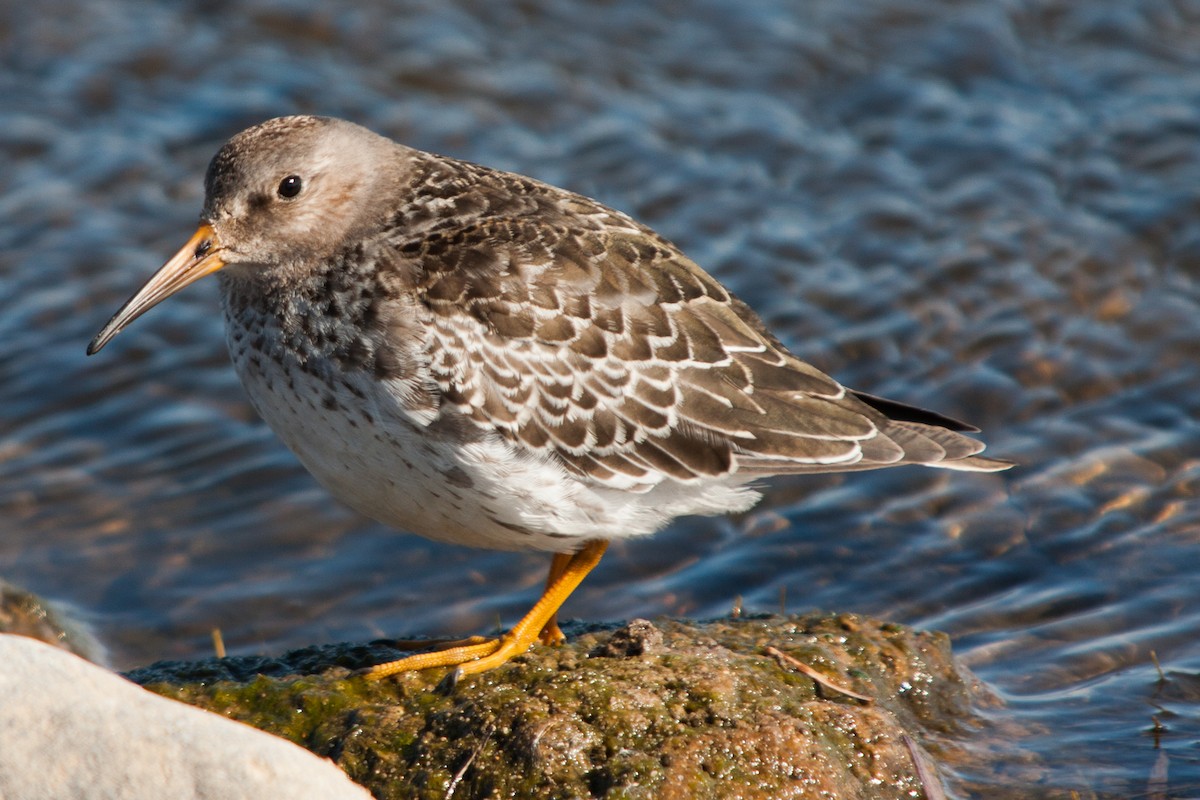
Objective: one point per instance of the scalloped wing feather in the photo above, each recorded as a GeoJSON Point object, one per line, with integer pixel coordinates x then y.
{"type": "Point", "coordinates": [582, 334]}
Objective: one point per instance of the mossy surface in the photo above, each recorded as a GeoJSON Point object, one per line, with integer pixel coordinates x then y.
{"type": "Point", "coordinates": [672, 709]}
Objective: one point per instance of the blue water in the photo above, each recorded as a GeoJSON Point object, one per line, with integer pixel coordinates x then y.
{"type": "Point", "coordinates": [990, 208]}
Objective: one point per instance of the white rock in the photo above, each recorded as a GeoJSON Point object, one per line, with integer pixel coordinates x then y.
{"type": "Point", "coordinates": [69, 729]}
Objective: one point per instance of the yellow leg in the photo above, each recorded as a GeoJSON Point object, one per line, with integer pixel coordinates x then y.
{"type": "Point", "coordinates": [551, 634]}
{"type": "Point", "coordinates": [483, 656]}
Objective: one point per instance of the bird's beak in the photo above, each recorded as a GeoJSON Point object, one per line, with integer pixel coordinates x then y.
{"type": "Point", "coordinates": [199, 257]}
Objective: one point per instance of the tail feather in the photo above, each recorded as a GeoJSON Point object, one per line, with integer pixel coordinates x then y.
{"type": "Point", "coordinates": [912, 436]}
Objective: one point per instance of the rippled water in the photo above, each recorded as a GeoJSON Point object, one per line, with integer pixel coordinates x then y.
{"type": "Point", "coordinates": [990, 208]}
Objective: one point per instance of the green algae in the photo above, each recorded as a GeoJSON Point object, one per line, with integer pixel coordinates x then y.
{"type": "Point", "coordinates": [669, 710]}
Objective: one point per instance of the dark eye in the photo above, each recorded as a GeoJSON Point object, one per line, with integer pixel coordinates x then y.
{"type": "Point", "coordinates": [290, 186]}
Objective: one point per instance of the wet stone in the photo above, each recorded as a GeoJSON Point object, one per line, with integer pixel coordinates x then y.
{"type": "Point", "coordinates": [637, 638]}
{"type": "Point", "coordinates": [669, 709]}
{"type": "Point", "coordinates": [26, 614]}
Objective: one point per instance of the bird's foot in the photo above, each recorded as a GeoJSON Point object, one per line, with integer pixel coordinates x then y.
{"type": "Point", "coordinates": [474, 655]}
{"type": "Point", "coordinates": [552, 635]}
{"type": "Point", "coordinates": [458, 652]}
{"type": "Point", "coordinates": [471, 656]}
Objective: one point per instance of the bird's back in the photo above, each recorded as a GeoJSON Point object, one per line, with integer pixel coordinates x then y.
{"type": "Point", "coordinates": [577, 332]}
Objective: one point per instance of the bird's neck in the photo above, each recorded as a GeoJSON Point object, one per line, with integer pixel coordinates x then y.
{"type": "Point", "coordinates": [332, 313]}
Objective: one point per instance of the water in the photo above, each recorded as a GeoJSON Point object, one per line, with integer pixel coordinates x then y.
{"type": "Point", "coordinates": [989, 208]}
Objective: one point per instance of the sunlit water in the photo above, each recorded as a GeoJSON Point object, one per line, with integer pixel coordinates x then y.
{"type": "Point", "coordinates": [989, 208]}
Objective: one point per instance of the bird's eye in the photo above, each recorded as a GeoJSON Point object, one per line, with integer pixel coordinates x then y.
{"type": "Point", "coordinates": [290, 186]}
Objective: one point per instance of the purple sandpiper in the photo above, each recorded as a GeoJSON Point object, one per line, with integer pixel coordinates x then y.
{"type": "Point", "coordinates": [484, 359]}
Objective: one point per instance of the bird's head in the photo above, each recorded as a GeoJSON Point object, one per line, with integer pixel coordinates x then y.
{"type": "Point", "coordinates": [279, 197]}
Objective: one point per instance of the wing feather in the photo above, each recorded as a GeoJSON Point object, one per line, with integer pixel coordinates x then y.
{"type": "Point", "coordinates": [572, 330]}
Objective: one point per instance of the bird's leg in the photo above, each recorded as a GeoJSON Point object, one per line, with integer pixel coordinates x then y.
{"type": "Point", "coordinates": [483, 656]}
{"type": "Point", "coordinates": [551, 634]}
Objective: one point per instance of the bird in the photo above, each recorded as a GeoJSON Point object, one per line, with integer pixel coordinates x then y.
{"type": "Point", "coordinates": [484, 359]}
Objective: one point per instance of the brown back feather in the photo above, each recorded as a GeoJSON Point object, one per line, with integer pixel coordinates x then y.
{"type": "Point", "coordinates": [571, 329]}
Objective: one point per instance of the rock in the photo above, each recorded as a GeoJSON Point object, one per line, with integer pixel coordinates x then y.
{"type": "Point", "coordinates": [669, 709]}
{"type": "Point", "coordinates": [25, 614]}
{"type": "Point", "coordinates": [637, 638]}
{"type": "Point", "coordinates": [70, 729]}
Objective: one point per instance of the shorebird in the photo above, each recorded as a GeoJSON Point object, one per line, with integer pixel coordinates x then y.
{"type": "Point", "coordinates": [481, 358]}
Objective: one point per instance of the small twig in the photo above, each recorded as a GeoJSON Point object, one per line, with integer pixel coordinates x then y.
{"type": "Point", "coordinates": [218, 642]}
{"type": "Point", "coordinates": [736, 611]}
{"type": "Point", "coordinates": [930, 784]}
{"type": "Point", "coordinates": [1162, 676]}
{"type": "Point", "coordinates": [811, 673]}
{"type": "Point", "coordinates": [458, 776]}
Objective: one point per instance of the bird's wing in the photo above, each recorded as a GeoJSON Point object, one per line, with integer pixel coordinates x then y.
{"type": "Point", "coordinates": [587, 336]}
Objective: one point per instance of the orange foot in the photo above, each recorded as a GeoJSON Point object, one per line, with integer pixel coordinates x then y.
{"type": "Point", "coordinates": [472, 656]}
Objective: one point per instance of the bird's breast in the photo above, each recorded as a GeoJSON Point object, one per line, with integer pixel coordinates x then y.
{"type": "Point", "coordinates": [369, 440]}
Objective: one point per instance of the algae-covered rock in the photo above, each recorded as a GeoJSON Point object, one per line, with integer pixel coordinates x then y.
{"type": "Point", "coordinates": [665, 710]}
